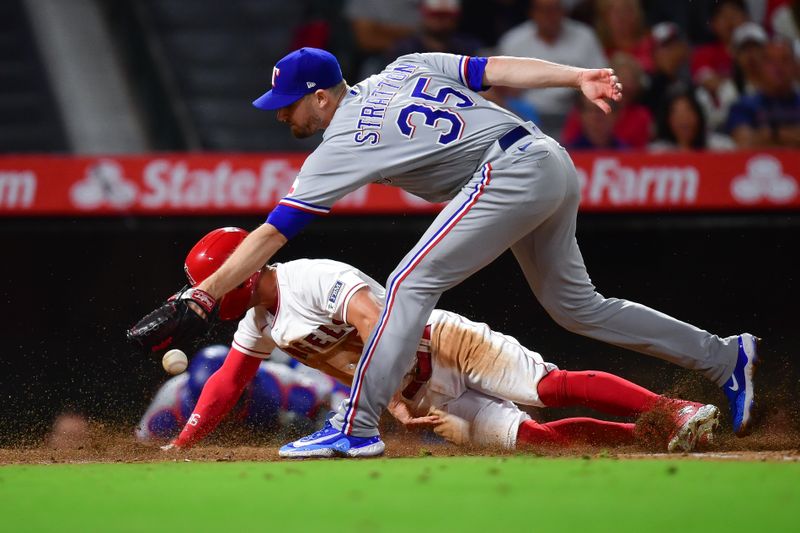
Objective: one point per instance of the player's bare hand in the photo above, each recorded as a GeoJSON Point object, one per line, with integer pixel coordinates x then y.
{"type": "Point", "coordinates": [451, 427]}
{"type": "Point", "coordinates": [600, 85]}
{"type": "Point", "coordinates": [401, 412]}
{"type": "Point", "coordinates": [422, 422]}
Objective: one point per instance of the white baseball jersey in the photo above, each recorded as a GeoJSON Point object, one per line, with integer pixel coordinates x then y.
{"type": "Point", "coordinates": [310, 322]}
{"type": "Point", "coordinates": [476, 373]}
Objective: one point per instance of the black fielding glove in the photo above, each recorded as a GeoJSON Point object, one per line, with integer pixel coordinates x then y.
{"type": "Point", "coordinates": [175, 323]}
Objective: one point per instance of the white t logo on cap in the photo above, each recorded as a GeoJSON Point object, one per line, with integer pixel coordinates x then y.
{"type": "Point", "coordinates": [275, 73]}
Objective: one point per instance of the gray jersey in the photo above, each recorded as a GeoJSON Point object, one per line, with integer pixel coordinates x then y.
{"type": "Point", "coordinates": [419, 125]}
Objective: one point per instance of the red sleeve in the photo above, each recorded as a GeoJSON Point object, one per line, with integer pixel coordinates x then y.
{"type": "Point", "coordinates": [219, 395]}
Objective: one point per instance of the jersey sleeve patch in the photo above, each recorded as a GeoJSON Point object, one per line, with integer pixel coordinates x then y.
{"type": "Point", "coordinates": [338, 297]}
{"type": "Point", "coordinates": [291, 216]}
{"type": "Point", "coordinates": [473, 69]}
{"type": "Point", "coordinates": [333, 295]}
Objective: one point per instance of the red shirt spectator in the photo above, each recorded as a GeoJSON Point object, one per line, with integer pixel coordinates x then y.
{"type": "Point", "coordinates": [596, 129]}
{"type": "Point", "coordinates": [620, 27]}
{"type": "Point", "coordinates": [633, 122]}
{"type": "Point", "coordinates": [713, 62]}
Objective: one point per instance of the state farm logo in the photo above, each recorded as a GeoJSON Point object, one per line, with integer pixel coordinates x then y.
{"type": "Point", "coordinates": [764, 179]}
{"type": "Point", "coordinates": [180, 185]}
{"type": "Point", "coordinates": [610, 182]}
{"type": "Point", "coordinates": [104, 185]}
{"type": "Point", "coordinates": [17, 189]}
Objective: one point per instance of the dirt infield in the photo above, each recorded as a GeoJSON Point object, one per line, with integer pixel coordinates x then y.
{"type": "Point", "coordinates": [776, 437]}
{"type": "Point", "coordinates": [102, 444]}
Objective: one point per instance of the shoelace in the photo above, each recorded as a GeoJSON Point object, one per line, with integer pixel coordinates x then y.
{"type": "Point", "coordinates": [318, 434]}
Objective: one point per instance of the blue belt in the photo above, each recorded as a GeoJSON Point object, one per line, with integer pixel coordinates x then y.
{"type": "Point", "coordinates": [512, 136]}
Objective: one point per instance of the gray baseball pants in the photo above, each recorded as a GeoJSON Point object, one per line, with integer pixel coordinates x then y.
{"type": "Point", "coordinates": [524, 198]}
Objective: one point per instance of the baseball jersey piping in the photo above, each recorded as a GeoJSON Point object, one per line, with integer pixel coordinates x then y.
{"type": "Point", "coordinates": [269, 327]}
{"type": "Point", "coordinates": [278, 305]}
{"type": "Point", "coordinates": [305, 206]}
{"type": "Point", "coordinates": [347, 297]}
{"type": "Point", "coordinates": [449, 224]}
{"type": "Point", "coordinates": [462, 70]}
{"type": "Point", "coordinates": [250, 351]}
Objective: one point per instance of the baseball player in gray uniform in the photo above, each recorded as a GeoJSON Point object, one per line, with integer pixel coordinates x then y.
{"type": "Point", "coordinates": [422, 125]}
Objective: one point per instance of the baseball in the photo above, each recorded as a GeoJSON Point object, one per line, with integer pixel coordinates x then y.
{"type": "Point", "coordinates": [174, 361]}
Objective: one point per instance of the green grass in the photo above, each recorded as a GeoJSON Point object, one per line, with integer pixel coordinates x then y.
{"type": "Point", "coordinates": [409, 495]}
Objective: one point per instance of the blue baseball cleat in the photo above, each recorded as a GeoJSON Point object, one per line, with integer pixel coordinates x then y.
{"type": "Point", "coordinates": [739, 387]}
{"type": "Point", "coordinates": [330, 442]}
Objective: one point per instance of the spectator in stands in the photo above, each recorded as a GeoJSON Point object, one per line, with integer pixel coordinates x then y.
{"type": "Point", "coordinates": [691, 17]}
{"type": "Point", "coordinates": [549, 35]}
{"type": "Point", "coordinates": [670, 63]}
{"type": "Point", "coordinates": [633, 125]}
{"type": "Point", "coordinates": [438, 32]}
{"type": "Point", "coordinates": [771, 117]}
{"type": "Point", "coordinates": [712, 63]}
{"type": "Point", "coordinates": [316, 26]}
{"type": "Point", "coordinates": [488, 20]}
{"type": "Point", "coordinates": [584, 11]}
{"type": "Point", "coordinates": [440, 22]}
{"type": "Point", "coordinates": [682, 127]}
{"type": "Point", "coordinates": [620, 27]}
{"type": "Point", "coordinates": [597, 128]}
{"type": "Point", "coordinates": [747, 47]}
{"type": "Point", "coordinates": [377, 26]}
{"type": "Point", "coordinates": [785, 20]}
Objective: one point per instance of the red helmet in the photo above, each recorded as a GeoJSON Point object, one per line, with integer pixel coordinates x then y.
{"type": "Point", "coordinates": [207, 256]}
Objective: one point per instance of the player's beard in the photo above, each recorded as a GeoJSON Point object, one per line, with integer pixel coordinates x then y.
{"type": "Point", "coordinates": [308, 129]}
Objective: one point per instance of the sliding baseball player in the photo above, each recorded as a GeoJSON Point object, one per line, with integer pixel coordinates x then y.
{"type": "Point", "coordinates": [466, 380]}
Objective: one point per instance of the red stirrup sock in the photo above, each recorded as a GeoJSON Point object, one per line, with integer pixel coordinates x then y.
{"type": "Point", "coordinates": [576, 431]}
{"type": "Point", "coordinates": [600, 391]}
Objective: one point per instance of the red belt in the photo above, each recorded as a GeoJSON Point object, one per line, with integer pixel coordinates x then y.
{"type": "Point", "coordinates": [423, 370]}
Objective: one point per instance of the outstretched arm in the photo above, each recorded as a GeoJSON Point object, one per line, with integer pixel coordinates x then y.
{"type": "Point", "coordinates": [598, 85]}
{"type": "Point", "coordinates": [219, 395]}
{"type": "Point", "coordinates": [250, 256]}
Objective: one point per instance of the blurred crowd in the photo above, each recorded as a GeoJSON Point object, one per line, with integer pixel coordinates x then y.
{"type": "Point", "coordinates": [698, 75]}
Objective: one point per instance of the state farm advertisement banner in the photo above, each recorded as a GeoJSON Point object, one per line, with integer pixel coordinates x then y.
{"type": "Point", "coordinates": [223, 184]}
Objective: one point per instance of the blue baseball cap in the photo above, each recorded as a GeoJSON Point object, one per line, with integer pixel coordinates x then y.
{"type": "Point", "coordinates": [300, 73]}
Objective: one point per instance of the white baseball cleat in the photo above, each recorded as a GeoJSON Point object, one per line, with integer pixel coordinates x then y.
{"type": "Point", "coordinates": [694, 423]}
